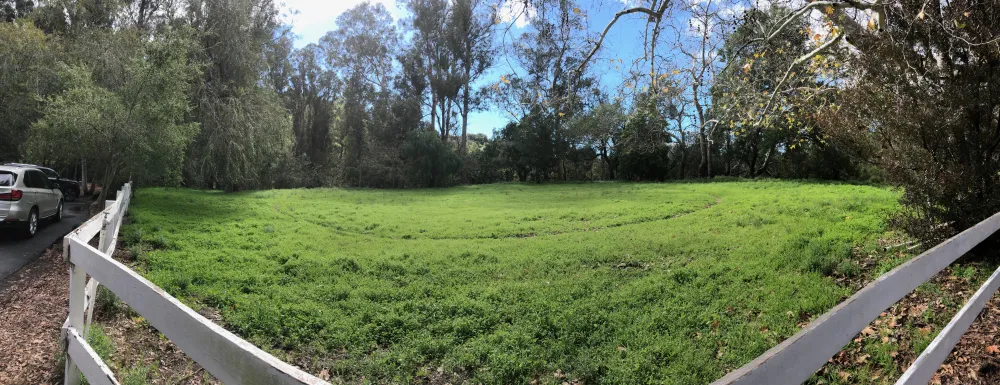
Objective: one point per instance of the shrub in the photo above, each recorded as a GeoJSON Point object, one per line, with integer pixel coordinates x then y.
{"type": "Point", "coordinates": [848, 268]}
{"type": "Point", "coordinates": [939, 142]}
{"type": "Point", "coordinates": [137, 375]}
{"type": "Point", "coordinates": [132, 235]}
{"type": "Point", "coordinates": [107, 303]}
{"type": "Point", "coordinates": [431, 163]}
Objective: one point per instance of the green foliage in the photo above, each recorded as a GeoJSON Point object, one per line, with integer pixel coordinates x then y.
{"type": "Point", "coordinates": [776, 133]}
{"type": "Point", "coordinates": [429, 161]}
{"type": "Point", "coordinates": [137, 375]}
{"type": "Point", "coordinates": [644, 148]}
{"type": "Point", "coordinates": [26, 74]}
{"type": "Point", "coordinates": [134, 125]}
{"type": "Point", "coordinates": [939, 142]}
{"type": "Point", "coordinates": [244, 140]}
{"type": "Point", "coordinates": [246, 133]}
{"type": "Point", "coordinates": [13, 9]}
{"type": "Point", "coordinates": [107, 303]}
{"type": "Point", "coordinates": [101, 343]}
{"type": "Point", "coordinates": [499, 284]}
{"type": "Point", "coordinates": [531, 147]}
{"type": "Point", "coordinates": [600, 129]}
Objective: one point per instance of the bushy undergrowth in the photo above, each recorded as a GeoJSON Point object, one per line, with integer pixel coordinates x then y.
{"type": "Point", "coordinates": [501, 284]}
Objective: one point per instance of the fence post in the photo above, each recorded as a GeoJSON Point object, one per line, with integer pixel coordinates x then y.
{"type": "Point", "coordinates": [102, 244]}
{"type": "Point", "coordinates": [90, 296]}
{"type": "Point", "coordinates": [77, 301]}
{"type": "Point", "coordinates": [81, 306]}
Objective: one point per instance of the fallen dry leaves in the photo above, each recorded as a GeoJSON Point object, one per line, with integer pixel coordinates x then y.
{"type": "Point", "coordinates": [33, 305]}
{"type": "Point", "coordinates": [32, 309]}
{"type": "Point", "coordinates": [975, 359]}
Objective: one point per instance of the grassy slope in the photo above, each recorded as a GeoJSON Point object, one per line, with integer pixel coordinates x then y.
{"type": "Point", "coordinates": [606, 283]}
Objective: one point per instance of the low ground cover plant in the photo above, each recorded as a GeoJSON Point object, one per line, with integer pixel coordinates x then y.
{"type": "Point", "coordinates": [589, 283]}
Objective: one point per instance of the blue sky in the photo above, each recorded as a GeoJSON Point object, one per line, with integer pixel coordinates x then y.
{"type": "Point", "coordinates": [311, 19]}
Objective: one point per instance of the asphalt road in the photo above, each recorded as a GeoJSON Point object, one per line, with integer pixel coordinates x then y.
{"type": "Point", "coordinates": [15, 251]}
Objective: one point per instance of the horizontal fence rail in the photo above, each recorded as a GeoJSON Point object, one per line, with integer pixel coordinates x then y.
{"type": "Point", "coordinates": [934, 355]}
{"type": "Point", "coordinates": [223, 354]}
{"type": "Point", "coordinates": [89, 362]}
{"type": "Point", "coordinates": [794, 360]}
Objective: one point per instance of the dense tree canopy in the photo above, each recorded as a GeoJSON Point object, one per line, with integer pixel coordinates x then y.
{"type": "Point", "coordinates": [216, 94]}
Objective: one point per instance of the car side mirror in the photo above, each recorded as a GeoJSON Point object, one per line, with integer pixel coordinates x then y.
{"type": "Point", "coordinates": [55, 186]}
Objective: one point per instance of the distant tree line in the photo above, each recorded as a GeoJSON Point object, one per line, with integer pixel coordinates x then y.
{"type": "Point", "coordinates": [214, 94]}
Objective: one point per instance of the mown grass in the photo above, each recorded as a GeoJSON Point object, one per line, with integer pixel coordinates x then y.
{"type": "Point", "coordinates": [503, 284]}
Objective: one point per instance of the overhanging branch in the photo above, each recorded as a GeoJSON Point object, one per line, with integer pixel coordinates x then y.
{"type": "Point", "coordinates": [796, 63]}
{"type": "Point", "coordinates": [653, 14]}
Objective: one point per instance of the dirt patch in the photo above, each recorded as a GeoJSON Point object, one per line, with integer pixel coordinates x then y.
{"type": "Point", "coordinates": [33, 306]}
{"type": "Point", "coordinates": [140, 350]}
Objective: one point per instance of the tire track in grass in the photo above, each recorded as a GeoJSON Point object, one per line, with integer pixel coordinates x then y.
{"type": "Point", "coordinates": [408, 237]}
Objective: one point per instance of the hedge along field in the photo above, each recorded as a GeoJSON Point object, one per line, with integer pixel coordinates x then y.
{"type": "Point", "coordinates": [502, 284]}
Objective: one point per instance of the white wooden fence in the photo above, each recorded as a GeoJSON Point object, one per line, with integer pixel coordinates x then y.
{"type": "Point", "coordinates": [223, 354]}
{"type": "Point", "coordinates": [797, 358]}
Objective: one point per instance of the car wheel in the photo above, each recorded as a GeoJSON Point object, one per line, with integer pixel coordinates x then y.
{"type": "Point", "coordinates": [71, 194]}
{"type": "Point", "coordinates": [31, 226]}
{"type": "Point", "coordinates": [59, 212]}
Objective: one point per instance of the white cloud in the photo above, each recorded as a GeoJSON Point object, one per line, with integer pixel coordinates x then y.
{"type": "Point", "coordinates": [516, 11]}
{"type": "Point", "coordinates": [311, 19]}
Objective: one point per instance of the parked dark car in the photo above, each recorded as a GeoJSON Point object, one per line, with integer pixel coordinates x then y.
{"type": "Point", "coordinates": [70, 188]}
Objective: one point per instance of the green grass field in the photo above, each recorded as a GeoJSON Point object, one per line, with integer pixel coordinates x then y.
{"type": "Point", "coordinates": [504, 284]}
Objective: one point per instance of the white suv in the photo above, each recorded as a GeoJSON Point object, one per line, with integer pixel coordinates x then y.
{"type": "Point", "coordinates": [26, 197]}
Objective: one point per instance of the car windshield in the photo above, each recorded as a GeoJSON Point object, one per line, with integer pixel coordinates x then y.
{"type": "Point", "coordinates": [49, 173]}
{"type": "Point", "coordinates": [7, 178]}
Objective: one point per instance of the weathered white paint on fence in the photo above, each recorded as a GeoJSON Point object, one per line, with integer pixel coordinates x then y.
{"type": "Point", "coordinates": [794, 360]}
{"type": "Point", "coordinates": [87, 231]}
{"type": "Point", "coordinates": [921, 371]}
{"type": "Point", "coordinates": [112, 213]}
{"type": "Point", "coordinates": [91, 296]}
{"type": "Point", "coordinates": [223, 354]}
{"type": "Point", "coordinates": [87, 360]}
{"type": "Point", "coordinates": [82, 309]}
{"type": "Point", "coordinates": [77, 300]}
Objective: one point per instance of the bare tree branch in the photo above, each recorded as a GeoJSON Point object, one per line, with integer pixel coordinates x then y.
{"type": "Point", "coordinates": [655, 15]}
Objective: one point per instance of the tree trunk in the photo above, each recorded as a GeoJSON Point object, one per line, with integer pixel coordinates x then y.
{"type": "Point", "coordinates": [446, 119]}
{"type": "Point", "coordinates": [708, 156]}
{"type": "Point", "coordinates": [109, 177]}
{"type": "Point", "coordinates": [83, 174]}
{"type": "Point", "coordinates": [729, 154]}
{"type": "Point", "coordinates": [684, 155]}
{"type": "Point", "coordinates": [433, 111]}
{"type": "Point", "coordinates": [607, 160]}
{"type": "Point", "coordinates": [702, 149]}
{"type": "Point", "coordinates": [462, 148]}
